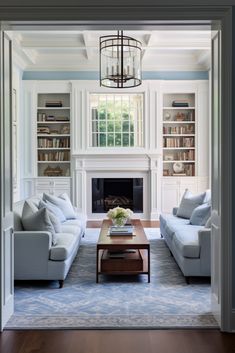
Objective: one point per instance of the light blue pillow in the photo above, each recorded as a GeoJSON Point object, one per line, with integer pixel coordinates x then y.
{"type": "Point", "coordinates": [53, 218]}
{"type": "Point", "coordinates": [54, 209]}
{"type": "Point", "coordinates": [64, 204]}
{"type": "Point", "coordinates": [200, 215]}
{"type": "Point", "coordinates": [40, 221]}
{"type": "Point", "coordinates": [188, 203]}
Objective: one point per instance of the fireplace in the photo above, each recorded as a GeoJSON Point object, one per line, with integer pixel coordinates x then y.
{"type": "Point", "coordinates": [112, 192]}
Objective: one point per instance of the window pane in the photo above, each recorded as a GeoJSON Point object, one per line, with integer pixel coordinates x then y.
{"type": "Point", "coordinates": [125, 140]}
{"type": "Point", "coordinates": [102, 140]}
{"type": "Point", "coordinates": [110, 140]}
{"type": "Point", "coordinates": [117, 120]}
{"type": "Point", "coordinates": [102, 126]}
{"type": "Point", "coordinates": [118, 139]}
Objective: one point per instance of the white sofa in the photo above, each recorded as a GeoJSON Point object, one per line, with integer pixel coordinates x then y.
{"type": "Point", "coordinates": [35, 258]}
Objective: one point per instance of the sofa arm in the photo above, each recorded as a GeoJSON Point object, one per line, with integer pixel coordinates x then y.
{"type": "Point", "coordinates": [31, 254]}
{"type": "Point", "coordinates": [174, 210]}
{"type": "Point", "coordinates": [204, 236]}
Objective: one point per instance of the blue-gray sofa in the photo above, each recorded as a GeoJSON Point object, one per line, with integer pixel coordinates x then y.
{"type": "Point", "coordinates": [189, 244]}
{"type": "Point", "coordinates": [36, 258]}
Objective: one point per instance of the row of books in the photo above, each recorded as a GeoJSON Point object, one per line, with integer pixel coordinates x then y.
{"type": "Point", "coordinates": [180, 156]}
{"type": "Point", "coordinates": [54, 104]}
{"type": "Point", "coordinates": [178, 142]}
{"type": "Point", "coordinates": [54, 143]}
{"type": "Point", "coordinates": [54, 156]}
{"type": "Point", "coordinates": [51, 117]}
{"type": "Point", "coordinates": [188, 129]}
{"type": "Point", "coordinates": [180, 103]}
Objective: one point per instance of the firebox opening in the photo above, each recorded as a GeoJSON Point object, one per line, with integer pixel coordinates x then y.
{"type": "Point", "coordinates": [112, 192]}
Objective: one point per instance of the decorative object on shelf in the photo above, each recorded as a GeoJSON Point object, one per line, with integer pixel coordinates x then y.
{"type": "Point", "coordinates": [167, 116]}
{"type": "Point", "coordinates": [49, 171]}
{"type": "Point", "coordinates": [166, 172]}
{"type": "Point", "coordinates": [43, 130]}
{"type": "Point", "coordinates": [120, 61]}
{"type": "Point", "coordinates": [65, 130]}
{"type": "Point", "coordinates": [180, 117]}
{"type": "Point", "coordinates": [119, 216]}
{"type": "Point", "coordinates": [178, 167]}
{"type": "Point", "coordinates": [169, 157]}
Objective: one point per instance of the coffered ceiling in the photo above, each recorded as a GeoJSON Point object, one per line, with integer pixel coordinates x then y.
{"type": "Point", "coordinates": [79, 50]}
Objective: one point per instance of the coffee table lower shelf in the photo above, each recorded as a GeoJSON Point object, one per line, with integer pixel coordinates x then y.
{"type": "Point", "coordinates": [145, 255]}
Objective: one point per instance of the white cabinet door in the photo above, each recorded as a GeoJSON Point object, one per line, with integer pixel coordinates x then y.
{"type": "Point", "coordinates": [170, 195]}
{"type": "Point", "coordinates": [54, 186]}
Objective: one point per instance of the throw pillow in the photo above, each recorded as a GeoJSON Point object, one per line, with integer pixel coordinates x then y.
{"type": "Point", "coordinates": [40, 221]}
{"type": "Point", "coordinates": [54, 220]}
{"type": "Point", "coordinates": [207, 198]}
{"type": "Point", "coordinates": [54, 209]}
{"type": "Point", "coordinates": [188, 203]}
{"type": "Point", "coordinates": [208, 223]}
{"type": "Point", "coordinates": [200, 215]}
{"type": "Point", "coordinates": [63, 202]}
{"type": "Point", "coordinates": [29, 209]}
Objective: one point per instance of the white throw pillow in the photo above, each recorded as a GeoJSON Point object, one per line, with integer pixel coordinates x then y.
{"type": "Point", "coordinates": [63, 202]}
{"type": "Point", "coordinates": [188, 203]}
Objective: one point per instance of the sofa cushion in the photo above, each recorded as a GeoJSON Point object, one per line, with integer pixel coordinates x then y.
{"type": "Point", "coordinates": [54, 220]}
{"type": "Point", "coordinates": [54, 209]}
{"type": "Point", "coordinates": [40, 220]}
{"type": "Point", "coordinates": [200, 214]}
{"type": "Point", "coordinates": [69, 228]}
{"type": "Point", "coordinates": [186, 241]}
{"type": "Point", "coordinates": [188, 203]}
{"type": "Point", "coordinates": [63, 202]}
{"type": "Point", "coordinates": [64, 247]}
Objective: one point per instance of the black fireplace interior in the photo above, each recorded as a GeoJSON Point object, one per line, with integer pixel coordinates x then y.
{"type": "Point", "coordinates": [112, 192]}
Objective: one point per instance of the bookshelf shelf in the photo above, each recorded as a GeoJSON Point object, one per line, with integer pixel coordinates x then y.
{"type": "Point", "coordinates": [179, 134]}
{"type": "Point", "coordinates": [53, 135]}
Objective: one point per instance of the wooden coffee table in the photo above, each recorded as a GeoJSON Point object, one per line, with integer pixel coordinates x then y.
{"type": "Point", "coordinates": [107, 243]}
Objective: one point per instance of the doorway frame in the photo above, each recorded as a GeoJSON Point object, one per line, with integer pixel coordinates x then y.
{"type": "Point", "coordinates": [88, 17]}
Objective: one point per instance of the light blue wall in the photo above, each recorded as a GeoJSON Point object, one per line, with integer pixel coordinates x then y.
{"type": "Point", "coordinates": [94, 75]}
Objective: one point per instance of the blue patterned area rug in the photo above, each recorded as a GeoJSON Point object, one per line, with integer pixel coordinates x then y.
{"type": "Point", "coordinates": [116, 302]}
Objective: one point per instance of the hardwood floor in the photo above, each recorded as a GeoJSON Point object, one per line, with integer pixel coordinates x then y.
{"type": "Point", "coordinates": [117, 341]}
{"type": "Point", "coordinates": [147, 224]}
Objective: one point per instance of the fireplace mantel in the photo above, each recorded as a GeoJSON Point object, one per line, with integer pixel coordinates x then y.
{"type": "Point", "coordinates": [145, 166]}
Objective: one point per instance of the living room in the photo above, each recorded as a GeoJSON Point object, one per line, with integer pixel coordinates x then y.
{"type": "Point", "coordinates": [99, 155]}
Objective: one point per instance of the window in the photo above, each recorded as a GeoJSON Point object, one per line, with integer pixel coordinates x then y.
{"type": "Point", "coordinates": [116, 120]}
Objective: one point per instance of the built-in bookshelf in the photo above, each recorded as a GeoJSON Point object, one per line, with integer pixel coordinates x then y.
{"type": "Point", "coordinates": [53, 134]}
{"type": "Point", "coordinates": [179, 134]}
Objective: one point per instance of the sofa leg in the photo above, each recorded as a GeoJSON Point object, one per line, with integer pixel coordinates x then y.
{"type": "Point", "coordinates": [161, 235]}
{"type": "Point", "coordinates": [187, 279]}
{"type": "Point", "coordinates": [171, 253]}
{"type": "Point", "coordinates": [61, 283]}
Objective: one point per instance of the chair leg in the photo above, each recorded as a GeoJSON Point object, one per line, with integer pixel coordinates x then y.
{"type": "Point", "coordinates": [61, 283]}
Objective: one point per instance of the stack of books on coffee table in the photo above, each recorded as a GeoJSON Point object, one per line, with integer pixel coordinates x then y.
{"type": "Point", "coordinates": [126, 230]}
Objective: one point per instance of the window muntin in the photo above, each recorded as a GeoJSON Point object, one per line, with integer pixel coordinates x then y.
{"type": "Point", "coordinates": [116, 120]}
